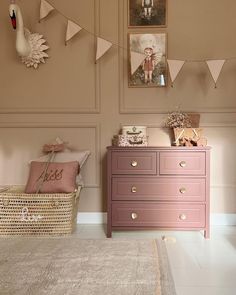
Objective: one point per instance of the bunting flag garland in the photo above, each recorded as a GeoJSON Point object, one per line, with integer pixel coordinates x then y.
{"type": "Point", "coordinates": [215, 68]}
{"type": "Point", "coordinates": [136, 60]}
{"type": "Point", "coordinates": [175, 67]}
{"type": "Point", "coordinates": [45, 9]}
{"type": "Point", "coordinates": [102, 47]}
{"type": "Point", "coordinates": [72, 30]}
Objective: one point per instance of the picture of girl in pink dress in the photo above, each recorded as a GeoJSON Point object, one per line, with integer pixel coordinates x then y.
{"type": "Point", "coordinates": [148, 64]}
{"type": "Point", "coordinates": [147, 60]}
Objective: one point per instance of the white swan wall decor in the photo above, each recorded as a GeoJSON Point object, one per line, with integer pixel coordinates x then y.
{"type": "Point", "coordinates": [29, 46]}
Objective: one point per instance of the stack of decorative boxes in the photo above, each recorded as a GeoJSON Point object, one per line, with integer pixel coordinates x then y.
{"type": "Point", "coordinates": [131, 136]}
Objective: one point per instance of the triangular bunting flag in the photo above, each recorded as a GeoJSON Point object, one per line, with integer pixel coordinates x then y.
{"type": "Point", "coordinates": [175, 67]}
{"type": "Point", "coordinates": [102, 47]}
{"type": "Point", "coordinates": [45, 9]}
{"type": "Point", "coordinates": [136, 60]}
{"type": "Point", "coordinates": [72, 30]}
{"type": "Point", "coordinates": [215, 67]}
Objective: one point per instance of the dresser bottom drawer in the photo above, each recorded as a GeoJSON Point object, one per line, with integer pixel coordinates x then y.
{"type": "Point", "coordinates": [165, 215]}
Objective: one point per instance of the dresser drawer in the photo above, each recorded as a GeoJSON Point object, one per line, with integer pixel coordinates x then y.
{"type": "Point", "coordinates": [167, 189]}
{"type": "Point", "coordinates": [174, 215]}
{"type": "Point", "coordinates": [134, 163]}
{"type": "Point", "coordinates": [182, 163]}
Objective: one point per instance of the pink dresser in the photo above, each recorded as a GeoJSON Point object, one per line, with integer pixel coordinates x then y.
{"type": "Point", "coordinates": [158, 187]}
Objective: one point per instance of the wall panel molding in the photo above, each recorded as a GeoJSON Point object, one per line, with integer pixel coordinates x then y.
{"type": "Point", "coordinates": [204, 125]}
{"type": "Point", "coordinates": [224, 186]}
{"type": "Point", "coordinates": [96, 109]}
{"type": "Point", "coordinates": [123, 68]}
{"type": "Point", "coordinates": [70, 125]}
{"type": "Point", "coordinates": [205, 110]}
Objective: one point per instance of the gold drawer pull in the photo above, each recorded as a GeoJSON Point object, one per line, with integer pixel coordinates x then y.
{"type": "Point", "coordinates": [134, 215]}
{"type": "Point", "coordinates": [182, 217]}
{"type": "Point", "coordinates": [182, 190]}
{"type": "Point", "coordinates": [134, 163]}
{"type": "Point", "coordinates": [182, 164]}
{"type": "Point", "coordinates": [134, 189]}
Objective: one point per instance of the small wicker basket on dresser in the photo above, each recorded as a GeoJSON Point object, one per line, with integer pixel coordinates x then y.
{"type": "Point", "coordinates": [159, 188]}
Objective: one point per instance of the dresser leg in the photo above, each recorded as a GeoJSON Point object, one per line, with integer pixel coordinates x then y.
{"type": "Point", "coordinates": [109, 231]}
{"type": "Point", "coordinates": [207, 234]}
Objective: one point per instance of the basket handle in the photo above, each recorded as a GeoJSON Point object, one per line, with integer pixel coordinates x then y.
{"type": "Point", "coordinates": [134, 133]}
{"type": "Point", "coordinates": [135, 142]}
{"type": "Point", "coordinates": [77, 193]}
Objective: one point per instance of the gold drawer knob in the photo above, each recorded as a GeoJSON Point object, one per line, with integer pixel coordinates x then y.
{"type": "Point", "coordinates": [134, 215]}
{"type": "Point", "coordinates": [182, 190]}
{"type": "Point", "coordinates": [182, 164]}
{"type": "Point", "coordinates": [134, 163]}
{"type": "Point", "coordinates": [182, 217]}
{"type": "Point", "coordinates": [134, 189]}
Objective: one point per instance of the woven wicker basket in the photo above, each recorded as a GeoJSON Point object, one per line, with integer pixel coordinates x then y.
{"type": "Point", "coordinates": [37, 214]}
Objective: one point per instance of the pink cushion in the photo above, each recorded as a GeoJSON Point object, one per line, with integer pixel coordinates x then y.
{"type": "Point", "coordinates": [60, 177]}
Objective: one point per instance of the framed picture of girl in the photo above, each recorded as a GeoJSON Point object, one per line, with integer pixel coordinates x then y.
{"type": "Point", "coordinates": [147, 13]}
{"type": "Point", "coordinates": [147, 59]}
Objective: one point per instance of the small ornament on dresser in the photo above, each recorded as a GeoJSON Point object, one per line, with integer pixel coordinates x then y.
{"type": "Point", "coordinates": [178, 120]}
{"type": "Point", "coordinates": [134, 130]}
{"type": "Point", "coordinates": [186, 129]}
{"type": "Point", "coordinates": [131, 136]}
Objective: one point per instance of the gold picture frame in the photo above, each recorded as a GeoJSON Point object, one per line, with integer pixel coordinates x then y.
{"type": "Point", "coordinates": [151, 69]}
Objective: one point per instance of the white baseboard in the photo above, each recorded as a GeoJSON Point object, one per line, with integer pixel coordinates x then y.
{"type": "Point", "coordinates": [101, 218]}
{"type": "Point", "coordinates": [223, 219]}
{"type": "Point", "coordinates": [91, 218]}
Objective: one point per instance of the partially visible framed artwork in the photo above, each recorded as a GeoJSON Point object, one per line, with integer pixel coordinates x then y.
{"type": "Point", "coordinates": [147, 13]}
{"type": "Point", "coordinates": [147, 59]}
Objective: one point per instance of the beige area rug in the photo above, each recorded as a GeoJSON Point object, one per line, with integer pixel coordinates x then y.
{"type": "Point", "coordinates": [73, 266]}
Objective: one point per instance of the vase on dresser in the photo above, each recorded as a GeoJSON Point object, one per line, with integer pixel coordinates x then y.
{"type": "Point", "coordinates": [158, 188]}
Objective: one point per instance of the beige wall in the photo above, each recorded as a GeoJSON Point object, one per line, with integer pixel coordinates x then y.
{"type": "Point", "coordinates": [86, 104]}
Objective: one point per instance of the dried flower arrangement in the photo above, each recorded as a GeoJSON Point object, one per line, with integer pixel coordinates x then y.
{"type": "Point", "coordinates": [178, 119]}
{"type": "Point", "coordinates": [185, 128]}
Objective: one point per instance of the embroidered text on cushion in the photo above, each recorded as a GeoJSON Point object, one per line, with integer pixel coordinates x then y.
{"type": "Point", "coordinates": [69, 156]}
{"type": "Point", "coordinates": [58, 178]}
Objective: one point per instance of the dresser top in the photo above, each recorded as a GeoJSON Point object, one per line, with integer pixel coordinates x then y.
{"type": "Point", "coordinates": [159, 148]}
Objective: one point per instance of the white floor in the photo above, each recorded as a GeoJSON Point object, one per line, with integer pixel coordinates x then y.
{"type": "Point", "coordinates": [199, 266]}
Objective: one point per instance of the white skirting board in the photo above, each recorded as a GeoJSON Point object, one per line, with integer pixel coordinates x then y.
{"type": "Point", "coordinates": [101, 218]}
{"type": "Point", "coordinates": [91, 218]}
{"type": "Point", "coordinates": [223, 219]}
